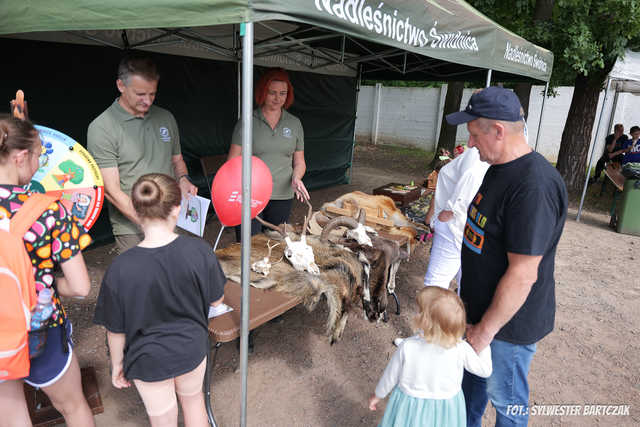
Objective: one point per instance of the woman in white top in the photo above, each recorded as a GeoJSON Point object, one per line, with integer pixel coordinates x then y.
{"type": "Point", "coordinates": [425, 373]}
{"type": "Point", "coordinates": [458, 182]}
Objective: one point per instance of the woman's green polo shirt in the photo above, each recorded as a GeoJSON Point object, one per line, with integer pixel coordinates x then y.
{"type": "Point", "coordinates": [275, 147]}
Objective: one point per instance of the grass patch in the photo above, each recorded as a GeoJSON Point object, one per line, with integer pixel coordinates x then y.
{"type": "Point", "coordinates": [411, 152]}
{"type": "Point", "coordinates": [597, 198]}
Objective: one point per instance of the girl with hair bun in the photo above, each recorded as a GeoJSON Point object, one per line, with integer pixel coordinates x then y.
{"type": "Point", "coordinates": [154, 303]}
{"type": "Point", "coordinates": [54, 238]}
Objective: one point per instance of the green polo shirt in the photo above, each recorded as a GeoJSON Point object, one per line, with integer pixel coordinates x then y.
{"type": "Point", "coordinates": [275, 147]}
{"type": "Point", "coordinates": [136, 146]}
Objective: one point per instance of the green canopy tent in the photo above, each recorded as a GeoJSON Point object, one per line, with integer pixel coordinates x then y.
{"type": "Point", "coordinates": [430, 40]}
{"type": "Point", "coordinates": [434, 39]}
{"type": "Point", "coordinates": [329, 45]}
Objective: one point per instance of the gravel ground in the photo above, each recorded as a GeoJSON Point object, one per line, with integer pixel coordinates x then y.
{"type": "Point", "coordinates": [297, 379]}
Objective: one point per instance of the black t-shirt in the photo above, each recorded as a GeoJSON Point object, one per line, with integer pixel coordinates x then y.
{"type": "Point", "coordinates": [619, 144]}
{"type": "Point", "coordinates": [159, 298]}
{"type": "Point", "coordinates": [520, 208]}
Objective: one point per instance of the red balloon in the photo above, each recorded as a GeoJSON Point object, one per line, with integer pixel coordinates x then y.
{"type": "Point", "coordinates": [226, 190]}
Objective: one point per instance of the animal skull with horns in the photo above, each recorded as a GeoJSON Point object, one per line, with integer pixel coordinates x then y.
{"type": "Point", "coordinates": [298, 253]}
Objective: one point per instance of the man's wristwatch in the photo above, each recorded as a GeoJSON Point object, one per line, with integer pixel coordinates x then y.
{"type": "Point", "coordinates": [184, 176]}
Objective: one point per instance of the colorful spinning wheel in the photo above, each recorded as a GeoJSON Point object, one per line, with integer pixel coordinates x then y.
{"type": "Point", "coordinates": [66, 167]}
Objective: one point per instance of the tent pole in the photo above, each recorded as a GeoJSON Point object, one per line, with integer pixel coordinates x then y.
{"type": "Point", "coordinates": [613, 109]}
{"type": "Point", "coordinates": [488, 78]}
{"type": "Point", "coordinates": [247, 140]}
{"type": "Point", "coordinates": [238, 69]}
{"type": "Point", "coordinates": [593, 150]}
{"type": "Point", "coordinates": [353, 145]}
{"type": "Point", "coordinates": [544, 99]}
{"type": "Point", "coordinates": [375, 119]}
{"type": "Point", "coordinates": [239, 88]}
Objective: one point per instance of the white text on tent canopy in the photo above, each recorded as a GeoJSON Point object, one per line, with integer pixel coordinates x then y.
{"type": "Point", "coordinates": [521, 56]}
{"type": "Point", "coordinates": [378, 20]}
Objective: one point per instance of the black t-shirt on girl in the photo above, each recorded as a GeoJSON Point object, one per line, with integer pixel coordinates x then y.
{"type": "Point", "coordinates": [159, 298]}
{"type": "Point", "coordinates": [521, 208]}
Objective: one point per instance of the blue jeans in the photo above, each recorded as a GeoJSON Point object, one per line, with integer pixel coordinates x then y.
{"type": "Point", "coordinates": [507, 387]}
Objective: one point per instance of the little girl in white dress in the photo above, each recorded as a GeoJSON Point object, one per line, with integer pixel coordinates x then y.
{"type": "Point", "coordinates": [425, 373]}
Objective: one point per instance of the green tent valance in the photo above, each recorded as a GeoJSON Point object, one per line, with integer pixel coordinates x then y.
{"type": "Point", "coordinates": [447, 30]}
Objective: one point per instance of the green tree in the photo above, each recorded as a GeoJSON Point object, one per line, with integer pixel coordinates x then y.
{"type": "Point", "coordinates": [586, 37]}
{"type": "Point", "coordinates": [527, 18]}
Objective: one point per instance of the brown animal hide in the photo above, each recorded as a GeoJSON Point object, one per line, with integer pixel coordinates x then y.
{"type": "Point", "coordinates": [340, 279]}
{"type": "Point", "coordinates": [374, 205]}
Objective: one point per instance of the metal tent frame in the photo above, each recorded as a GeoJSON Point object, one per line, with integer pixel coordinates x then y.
{"type": "Point", "coordinates": [297, 46]}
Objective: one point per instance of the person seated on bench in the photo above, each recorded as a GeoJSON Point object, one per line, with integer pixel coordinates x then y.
{"type": "Point", "coordinates": [613, 150]}
{"type": "Point", "coordinates": [154, 302]}
{"type": "Point", "coordinates": [631, 160]}
{"type": "Point", "coordinates": [632, 148]}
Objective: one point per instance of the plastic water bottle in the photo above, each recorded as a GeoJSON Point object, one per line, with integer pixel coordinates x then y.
{"type": "Point", "coordinates": [39, 317]}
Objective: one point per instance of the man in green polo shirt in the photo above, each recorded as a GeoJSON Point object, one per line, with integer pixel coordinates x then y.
{"type": "Point", "coordinates": [131, 138]}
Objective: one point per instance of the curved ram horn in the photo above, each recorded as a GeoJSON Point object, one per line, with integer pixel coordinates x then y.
{"type": "Point", "coordinates": [336, 222]}
{"type": "Point", "coordinates": [321, 218]}
{"type": "Point", "coordinates": [391, 251]}
{"type": "Point", "coordinates": [273, 227]}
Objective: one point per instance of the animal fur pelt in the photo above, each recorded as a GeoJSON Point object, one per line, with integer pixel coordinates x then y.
{"type": "Point", "coordinates": [374, 204]}
{"type": "Point", "coordinates": [340, 279]}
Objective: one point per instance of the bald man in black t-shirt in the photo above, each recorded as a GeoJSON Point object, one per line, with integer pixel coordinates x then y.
{"type": "Point", "coordinates": [513, 227]}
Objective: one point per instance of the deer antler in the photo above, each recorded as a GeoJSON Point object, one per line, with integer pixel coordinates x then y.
{"type": "Point", "coordinates": [306, 219]}
{"type": "Point", "coordinates": [273, 227]}
{"type": "Point", "coordinates": [270, 247]}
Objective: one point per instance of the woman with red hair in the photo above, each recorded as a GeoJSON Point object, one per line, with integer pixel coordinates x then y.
{"type": "Point", "coordinates": [278, 139]}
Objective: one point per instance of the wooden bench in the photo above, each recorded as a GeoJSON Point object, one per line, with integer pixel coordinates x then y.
{"type": "Point", "coordinates": [42, 412]}
{"type": "Point", "coordinates": [264, 305]}
{"type": "Point", "coordinates": [615, 175]}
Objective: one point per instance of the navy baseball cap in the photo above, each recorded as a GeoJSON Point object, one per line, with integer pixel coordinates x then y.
{"type": "Point", "coordinates": [494, 103]}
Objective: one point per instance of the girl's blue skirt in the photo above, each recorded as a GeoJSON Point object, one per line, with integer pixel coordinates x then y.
{"type": "Point", "coordinates": [406, 411]}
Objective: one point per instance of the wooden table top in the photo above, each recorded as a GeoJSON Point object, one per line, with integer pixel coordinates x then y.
{"type": "Point", "coordinates": [264, 305]}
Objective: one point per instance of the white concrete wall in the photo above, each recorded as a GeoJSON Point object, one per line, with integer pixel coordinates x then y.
{"type": "Point", "coordinates": [407, 115]}
{"type": "Point", "coordinates": [411, 116]}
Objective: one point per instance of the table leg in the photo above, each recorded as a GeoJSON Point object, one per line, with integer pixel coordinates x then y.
{"type": "Point", "coordinates": [395, 297]}
{"type": "Point", "coordinates": [211, 362]}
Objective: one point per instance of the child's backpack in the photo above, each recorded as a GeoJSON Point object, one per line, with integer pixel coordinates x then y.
{"type": "Point", "coordinates": [17, 287]}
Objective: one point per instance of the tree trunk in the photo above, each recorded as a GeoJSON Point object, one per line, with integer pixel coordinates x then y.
{"type": "Point", "coordinates": [523, 90]}
{"type": "Point", "coordinates": [576, 137]}
{"type": "Point", "coordinates": [543, 10]}
{"type": "Point", "coordinates": [447, 139]}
